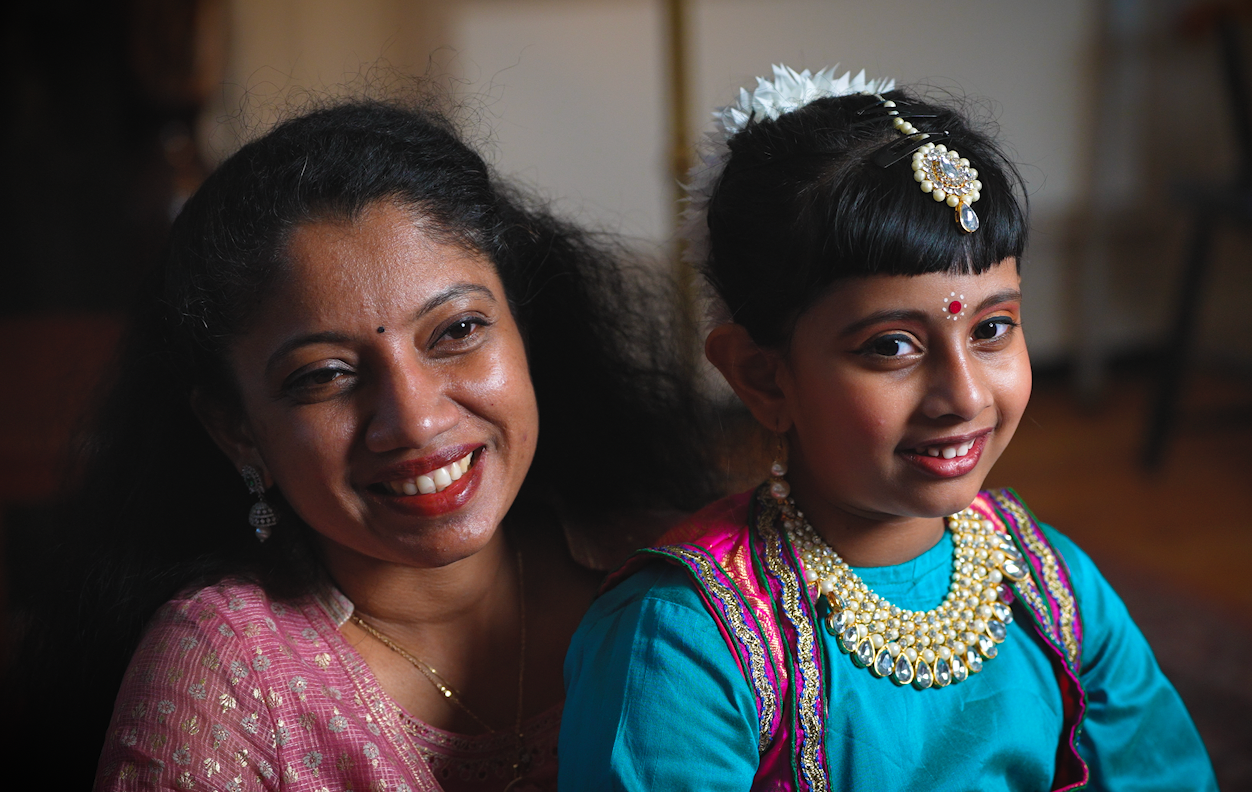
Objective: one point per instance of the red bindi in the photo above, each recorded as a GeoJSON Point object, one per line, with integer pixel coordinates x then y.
{"type": "Point", "coordinates": [954, 307]}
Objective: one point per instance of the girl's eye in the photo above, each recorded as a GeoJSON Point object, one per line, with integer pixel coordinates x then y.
{"type": "Point", "coordinates": [892, 346]}
{"type": "Point", "coordinates": [993, 328]}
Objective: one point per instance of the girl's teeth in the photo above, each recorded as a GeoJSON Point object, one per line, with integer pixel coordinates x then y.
{"type": "Point", "coordinates": [410, 488]}
{"type": "Point", "coordinates": [425, 485]}
{"type": "Point", "coordinates": [947, 452]}
{"type": "Point", "coordinates": [442, 478]}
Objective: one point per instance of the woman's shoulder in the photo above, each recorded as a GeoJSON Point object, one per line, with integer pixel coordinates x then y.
{"type": "Point", "coordinates": [238, 618]}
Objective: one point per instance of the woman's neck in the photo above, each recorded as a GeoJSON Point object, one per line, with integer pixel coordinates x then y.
{"type": "Point", "coordinates": [422, 599]}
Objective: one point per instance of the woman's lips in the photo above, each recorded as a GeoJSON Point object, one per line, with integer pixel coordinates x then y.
{"type": "Point", "coordinates": [949, 459]}
{"type": "Point", "coordinates": [438, 491]}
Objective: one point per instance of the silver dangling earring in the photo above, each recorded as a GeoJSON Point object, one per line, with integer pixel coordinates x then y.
{"type": "Point", "coordinates": [262, 517]}
{"type": "Point", "coordinates": [778, 486]}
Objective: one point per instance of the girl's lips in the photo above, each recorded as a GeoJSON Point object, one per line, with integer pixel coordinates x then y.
{"type": "Point", "coordinates": [945, 460]}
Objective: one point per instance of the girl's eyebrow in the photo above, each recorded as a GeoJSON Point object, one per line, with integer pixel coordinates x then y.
{"type": "Point", "coordinates": [889, 315]}
{"type": "Point", "coordinates": [1007, 295]}
{"type": "Point", "coordinates": [914, 315]}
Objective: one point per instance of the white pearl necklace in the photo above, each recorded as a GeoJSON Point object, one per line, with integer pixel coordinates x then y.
{"type": "Point", "coordinates": [931, 648]}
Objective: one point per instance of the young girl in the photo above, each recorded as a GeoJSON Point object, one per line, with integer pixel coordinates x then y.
{"type": "Point", "coordinates": [867, 618]}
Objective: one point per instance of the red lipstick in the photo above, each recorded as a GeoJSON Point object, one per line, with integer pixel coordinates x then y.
{"type": "Point", "coordinates": [435, 504]}
{"type": "Point", "coordinates": [420, 467]}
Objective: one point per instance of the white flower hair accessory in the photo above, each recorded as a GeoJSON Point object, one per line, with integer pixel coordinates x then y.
{"type": "Point", "coordinates": [790, 90]}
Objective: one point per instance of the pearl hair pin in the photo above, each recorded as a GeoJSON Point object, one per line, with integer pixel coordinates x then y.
{"type": "Point", "coordinates": [941, 173]}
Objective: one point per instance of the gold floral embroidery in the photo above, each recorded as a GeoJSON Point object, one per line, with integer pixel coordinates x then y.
{"type": "Point", "coordinates": [1051, 576]}
{"type": "Point", "coordinates": [811, 722]}
{"type": "Point", "coordinates": [756, 652]}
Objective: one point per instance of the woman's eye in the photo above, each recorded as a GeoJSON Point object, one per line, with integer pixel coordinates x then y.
{"type": "Point", "coordinates": [460, 332]}
{"type": "Point", "coordinates": [461, 329]}
{"type": "Point", "coordinates": [323, 376]}
{"type": "Point", "coordinates": [892, 346]}
{"type": "Point", "coordinates": [318, 383]}
{"type": "Point", "coordinates": [994, 328]}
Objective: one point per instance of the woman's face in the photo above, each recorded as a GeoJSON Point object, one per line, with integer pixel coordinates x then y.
{"type": "Point", "coordinates": [385, 390]}
{"type": "Point", "coordinates": [902, 392]}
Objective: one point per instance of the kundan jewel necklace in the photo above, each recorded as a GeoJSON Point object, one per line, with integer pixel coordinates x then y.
{"type": "Point", "coordinates": [933, 648]}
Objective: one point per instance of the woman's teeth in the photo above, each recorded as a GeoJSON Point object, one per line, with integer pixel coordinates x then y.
{"type": "Point", "coordinates": [947, 451]}
{"type": "Point", "coordinates": [434, 481]}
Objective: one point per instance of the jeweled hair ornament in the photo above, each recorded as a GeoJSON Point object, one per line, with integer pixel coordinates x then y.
{"type": "Point", "coordinates": [944, 174]}
{"type": "Point", "coordinates": [789, 90]}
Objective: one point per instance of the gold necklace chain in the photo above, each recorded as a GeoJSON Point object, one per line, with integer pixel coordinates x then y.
{"type": "Point", "coordinates": [933, 648]}
{"type": "Point", "coordinates": [450, 693]}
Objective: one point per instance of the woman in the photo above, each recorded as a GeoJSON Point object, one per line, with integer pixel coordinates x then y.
{"type": "Point", "coordinates": [869, 617]}
{"type": "Point", "coordinates": [358, 325]}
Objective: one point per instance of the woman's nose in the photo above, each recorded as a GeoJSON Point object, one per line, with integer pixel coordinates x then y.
{"type": "Point", "coordinates": [410, 407]}
{"type": "Point", "coordinates": [958, 388]}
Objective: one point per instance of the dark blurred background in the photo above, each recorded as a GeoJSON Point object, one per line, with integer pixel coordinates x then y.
{"type": "Point", "coordinates": [1130, 119]}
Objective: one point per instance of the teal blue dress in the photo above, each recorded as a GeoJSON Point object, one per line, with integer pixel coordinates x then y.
{"type": "Point", "coordinates": [655, 701]}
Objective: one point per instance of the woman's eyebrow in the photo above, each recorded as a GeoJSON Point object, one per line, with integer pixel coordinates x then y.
{"type": "Point", "coordinates": [292, 344]}
{"type": "Point", "coordinates": [334, 337]}
{"type": "Point", "coordinates": [453, 292]}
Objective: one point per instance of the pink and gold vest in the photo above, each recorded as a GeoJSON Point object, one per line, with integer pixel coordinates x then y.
{"type": "Point", "coordinates": [751, 581]}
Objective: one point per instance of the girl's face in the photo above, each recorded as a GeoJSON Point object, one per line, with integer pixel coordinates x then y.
{"type": "Point", "coordinates": [383, 360]}
{"type": "Point", "coordinates": [902, 392]}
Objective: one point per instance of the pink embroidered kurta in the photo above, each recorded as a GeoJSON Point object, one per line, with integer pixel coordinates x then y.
{"type": "Point", "coordinates": [230, 690]}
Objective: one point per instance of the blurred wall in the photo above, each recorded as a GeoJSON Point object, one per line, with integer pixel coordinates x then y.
{"type": "Point", "coordinates": [571, 99]}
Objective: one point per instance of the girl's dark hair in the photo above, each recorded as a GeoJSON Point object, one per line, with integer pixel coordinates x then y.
{"type": "Point", "coordinates": [157, 507]}
{"type": "Point", "coordinates": [801, 204]}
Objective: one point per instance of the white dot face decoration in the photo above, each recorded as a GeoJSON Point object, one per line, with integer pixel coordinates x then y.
{"type": "Point", "coordinates": [954, 306]}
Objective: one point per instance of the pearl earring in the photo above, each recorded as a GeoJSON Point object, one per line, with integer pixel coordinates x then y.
{"type": "Point", "coordinates": [778, 486]}
{"type": "Point", "coordinates": [262, 517]}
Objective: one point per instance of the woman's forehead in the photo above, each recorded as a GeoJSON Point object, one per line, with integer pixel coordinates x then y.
{"type": "Point", "coordinates": [385, 255]}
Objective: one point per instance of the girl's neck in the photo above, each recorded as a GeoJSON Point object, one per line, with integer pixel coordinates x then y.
{"type": "Point", "coordinates": [867, 539]}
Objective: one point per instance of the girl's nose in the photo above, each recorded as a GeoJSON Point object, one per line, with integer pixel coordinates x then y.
{"type": "Point", "coordinates": [410, 407]}
{"type": "Point", "coordinates": [958, 388]}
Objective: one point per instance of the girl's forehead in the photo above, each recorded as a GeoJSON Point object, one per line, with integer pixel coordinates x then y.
{"type": "Point", "coordinates": [942, 294]}
{"type": "Point", "coordinates": [926, 286]}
